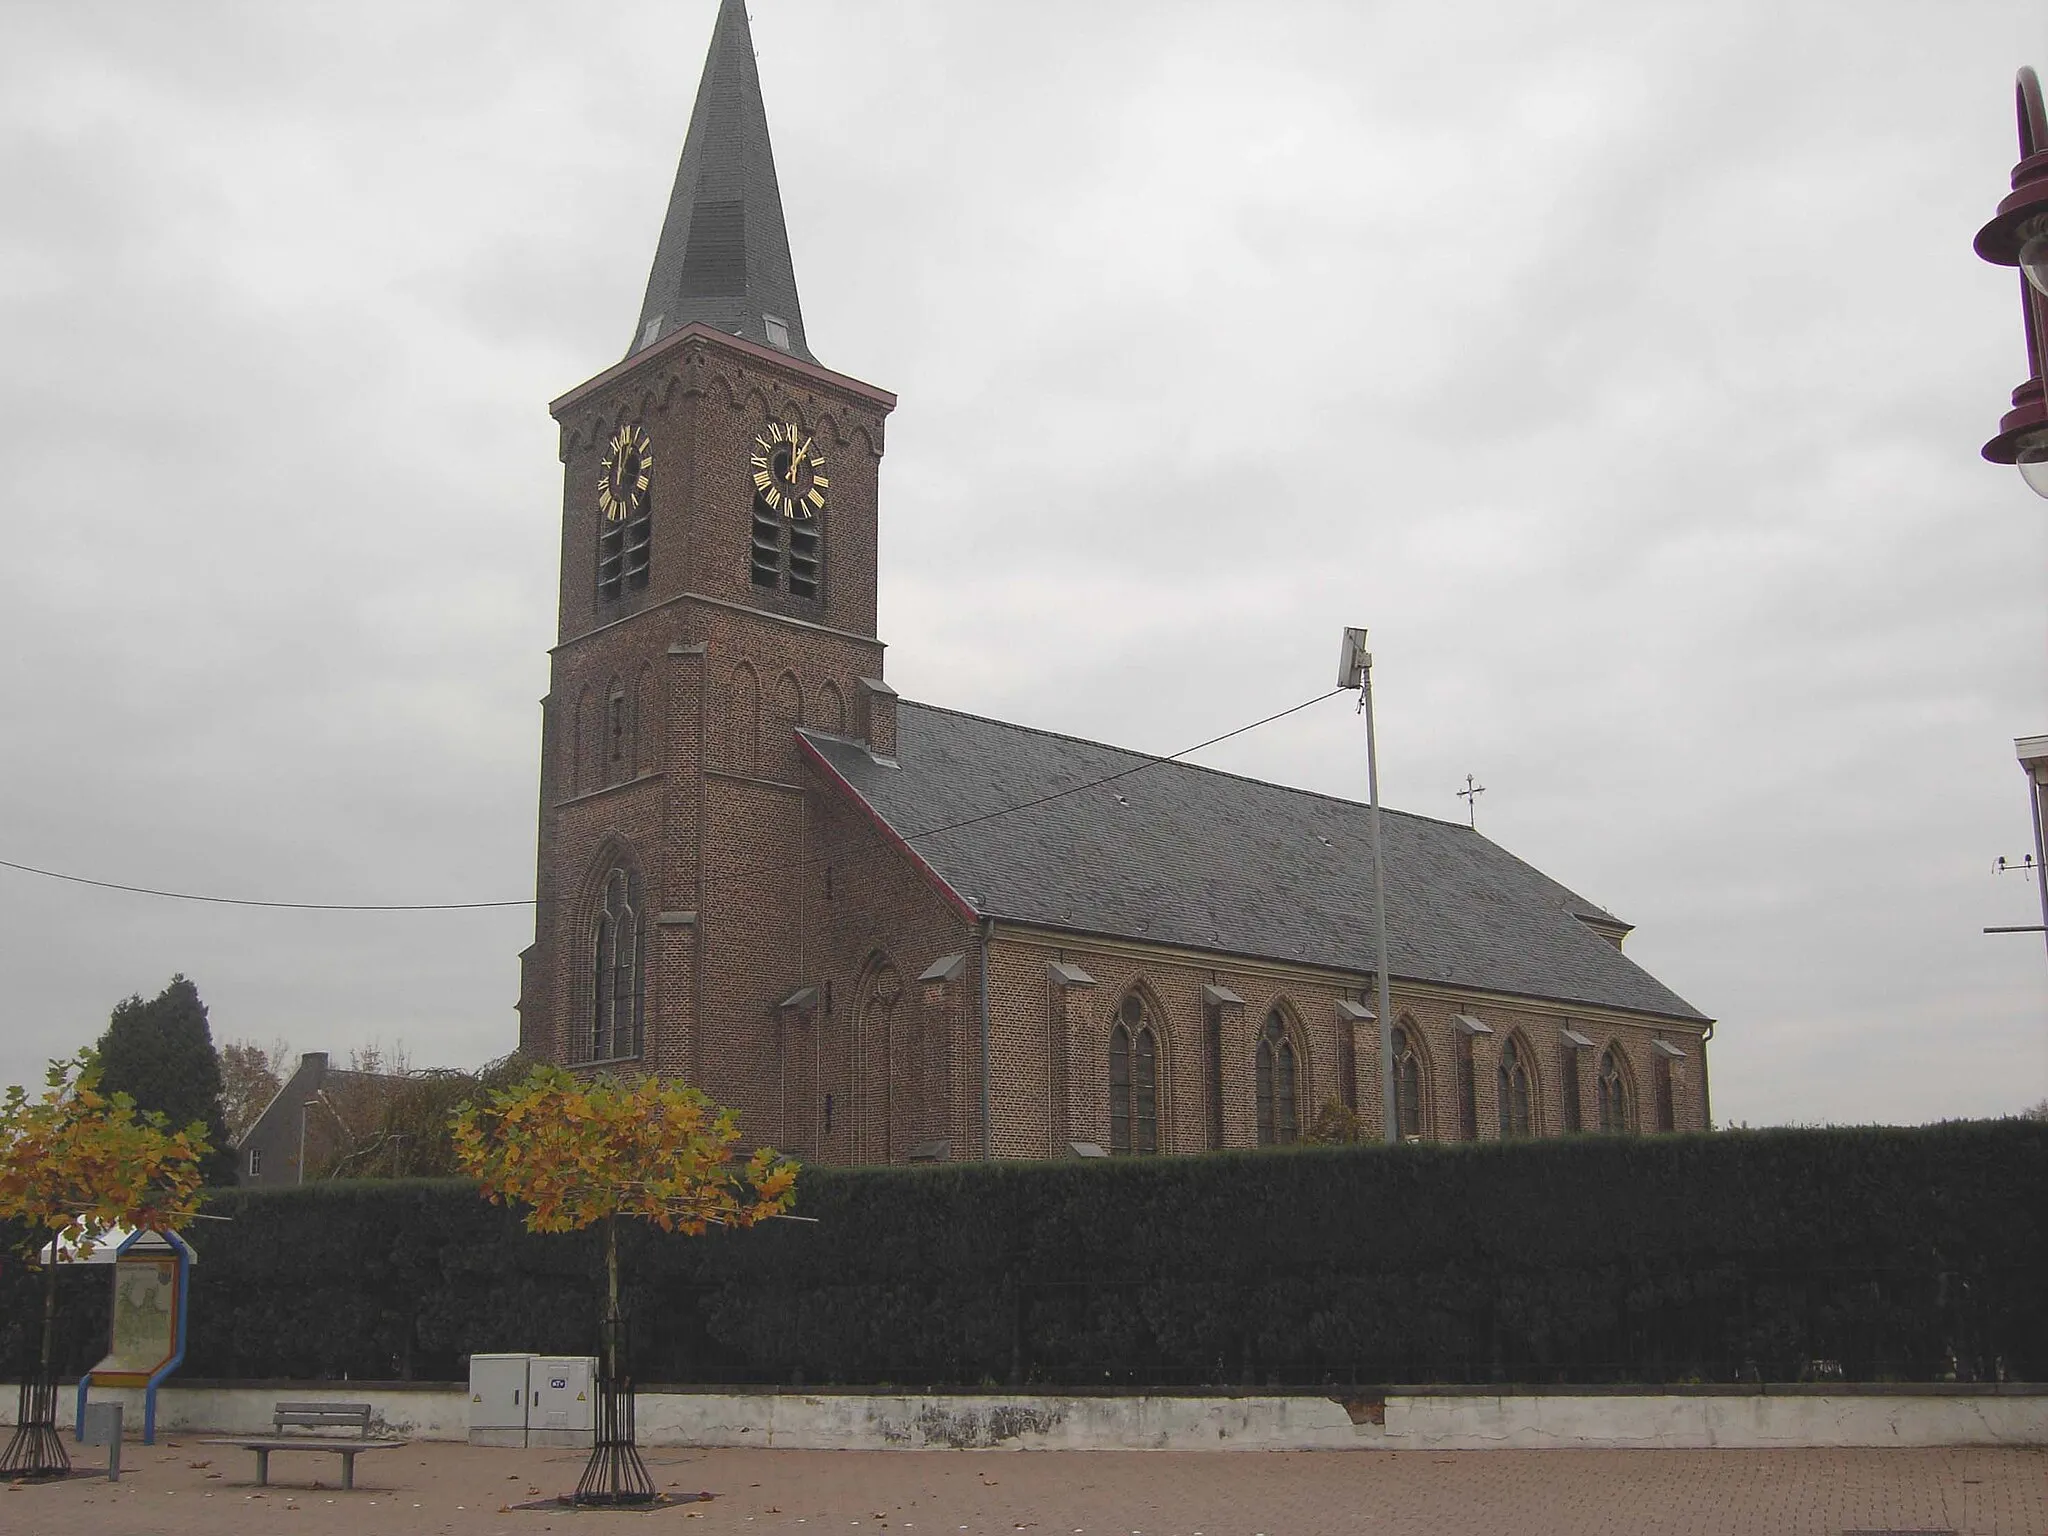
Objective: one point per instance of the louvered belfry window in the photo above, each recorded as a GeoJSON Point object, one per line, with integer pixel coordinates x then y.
{"type": "Point", "coordinates": [1276, 1084]}
{"type": "Point", "coordinates": [625, 503]}
{"type": "Point", "coordinates": [784, 554]}
{"type": "Point", "coordinates": [619, 973]}
{"type": "Point", "coordinates": [1133, 1082]}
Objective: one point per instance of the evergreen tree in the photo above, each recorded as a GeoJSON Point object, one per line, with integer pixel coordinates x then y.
{"type": "Point", "coordinates": [160, 1053]}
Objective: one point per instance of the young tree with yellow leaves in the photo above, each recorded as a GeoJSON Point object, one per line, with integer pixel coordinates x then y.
{"type": "Point", "coordinates": [74, 1164]}
{"type": "Point", "coordinates": [576, 1151]}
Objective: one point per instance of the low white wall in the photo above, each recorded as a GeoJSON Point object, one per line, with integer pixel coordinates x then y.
{"type": "Point", "coordinates": [871, 1422]}
{"type": "Point", "coordinates": [1692, 1422]}
{"type": "Point", "coordinates": [1401, 1421]}
{"type": "Point", "coordinates": [408, 1413]}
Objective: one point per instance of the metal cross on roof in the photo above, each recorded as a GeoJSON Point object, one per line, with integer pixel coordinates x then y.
{"type": "Point", "coordinates": [1470, 795]}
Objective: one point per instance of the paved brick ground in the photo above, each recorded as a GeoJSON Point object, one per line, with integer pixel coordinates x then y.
{"type": "Point", "coordinates": [186, 1489]}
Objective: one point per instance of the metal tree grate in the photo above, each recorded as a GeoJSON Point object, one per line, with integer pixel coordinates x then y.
{"type": "Point", "coordinates": [35, 1451]}
{"type": "Point", "coordinates": [615, 1473]}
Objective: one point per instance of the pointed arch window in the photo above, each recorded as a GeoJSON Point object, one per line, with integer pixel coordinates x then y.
{"type": "Point", "coordinates": [619, 970]}
{"type": "Point", "coordinates": [1512, 1091]}
{"type": "Point", "coordinates": [1617, 1104]}
{"type": "Point", "coordinates": [1407, 1087]}
{"type": "Point", "coordinates": [1277, 1084]}
{"type": "Point", "coordinates": [1133, 1081]}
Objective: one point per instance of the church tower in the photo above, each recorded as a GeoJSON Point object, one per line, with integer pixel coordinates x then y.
{"type": "Point", "coordinates": [719, 541]}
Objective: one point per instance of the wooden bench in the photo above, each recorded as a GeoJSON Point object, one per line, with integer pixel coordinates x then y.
{"type": "Point", "coordinates": [316, 1417]}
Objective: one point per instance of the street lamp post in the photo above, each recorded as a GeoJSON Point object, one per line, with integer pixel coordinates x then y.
{"type": "Point", "coordinates": [2017, 236]}
{"type": "Point", "coordinates": [2033, 756]}
{"type": "Point", "coordinates": [1354, 670]}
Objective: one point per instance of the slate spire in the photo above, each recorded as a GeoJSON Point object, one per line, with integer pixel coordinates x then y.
{"type": "Point", "coordinates": [724, 253]}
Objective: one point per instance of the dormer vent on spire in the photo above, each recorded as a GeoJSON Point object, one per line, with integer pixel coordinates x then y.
{"type": "Point", "coordinates": [724, 259]}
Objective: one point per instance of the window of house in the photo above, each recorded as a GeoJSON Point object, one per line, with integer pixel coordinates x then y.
{"type": "Point", "coordinates": [778, 331]}
{"type": "Point", "coordinates": [1407, 1087]}
{"type": "Point", "coordinates": [1667, 1118]}
{"type": "Point", "coordinates": [1468, 1091]}
{"type": "Point", "coordinates": [1512, 1088]}
{"type": "Point", "coordinates": [1617, 1112]}
{"type": "Point", "coordinates": [1568, 1088]}
{"type": "Point", "coordinates": [1133, 1081]}
{"type": "Point", "coordinates": [618, 726]}
{"type": "Point", "coordinates": [1275, 1071]}
{"type": "Point", "coordinates": [618, 971]}
{"type": "Point", "coordinates": [255, 1162]}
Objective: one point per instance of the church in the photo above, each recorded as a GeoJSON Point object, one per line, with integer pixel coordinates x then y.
{"type": "Point", "coordinates": [887, 931]}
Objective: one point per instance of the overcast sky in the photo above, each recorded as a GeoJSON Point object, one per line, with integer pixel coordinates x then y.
{"type": "Point", "coordinates": [1622, 366]}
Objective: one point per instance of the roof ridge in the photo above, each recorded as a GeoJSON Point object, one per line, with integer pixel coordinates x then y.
{"type": "Point", "coordinates": [1178, 762]}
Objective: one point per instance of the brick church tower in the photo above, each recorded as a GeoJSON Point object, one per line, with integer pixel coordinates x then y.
{"type": "Point", "coordinates": [717, 589]}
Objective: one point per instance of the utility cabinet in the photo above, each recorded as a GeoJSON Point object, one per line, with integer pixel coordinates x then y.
{"type": "Point", "coordinates": [498, 1400]}
{"type": "Point", "coordinates": [561, 1406]}
{"type": "Point", "coordinates": [517, 1400]}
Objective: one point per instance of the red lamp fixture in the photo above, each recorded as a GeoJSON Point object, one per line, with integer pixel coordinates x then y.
{"type": "Point", "coordinates": [2018, 237]}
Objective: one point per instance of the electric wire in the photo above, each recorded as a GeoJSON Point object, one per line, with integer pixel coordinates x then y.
{"type": "Point", "coordinates": [245, 901]}
{"type": "Point", "coordinates": [475, 906]}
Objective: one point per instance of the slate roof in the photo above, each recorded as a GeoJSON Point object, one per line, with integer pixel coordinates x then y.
{"type": "Point", "coordinates": [724, 252]}
{"type": "Point", "coordinates": [1191, 856]}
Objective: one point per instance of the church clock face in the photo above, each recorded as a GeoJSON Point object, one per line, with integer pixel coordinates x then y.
{"type": "Point", "coordinates": [627, 471]}
{"type": "Point", "coordinates": [789, 472]}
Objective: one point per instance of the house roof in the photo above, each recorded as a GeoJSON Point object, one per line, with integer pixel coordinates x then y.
{"type": "Point", "coordinates": [724, 257]}
{"type": "Point", "coordinates": [1177, 854]}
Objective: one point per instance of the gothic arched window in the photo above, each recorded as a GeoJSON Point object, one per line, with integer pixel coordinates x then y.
{"type": "Point", "coordinates": [1276, 1083]}
{"type": "Point", "coordinates": [1617, 1105]}
{"type": "Point", "coordinates": [618, 970]}
{"type": "Point", "coordinates": [1512, 1090]}
{"type": "Point", "coordinates": [1407, 1087]}
{"type": "Point", "coordinates": [1133, 1081]}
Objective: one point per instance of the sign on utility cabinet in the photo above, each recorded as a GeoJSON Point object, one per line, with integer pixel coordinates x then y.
{"type": "Point", "coordinates": [560, 1400]}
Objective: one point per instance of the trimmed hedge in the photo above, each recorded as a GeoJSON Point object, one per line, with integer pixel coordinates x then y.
{"type": "Point", "coordinates": [1875, 1254]}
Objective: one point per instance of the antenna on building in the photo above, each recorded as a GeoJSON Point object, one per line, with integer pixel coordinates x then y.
{"type": "Point", "coordinates": [1470, 795]}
